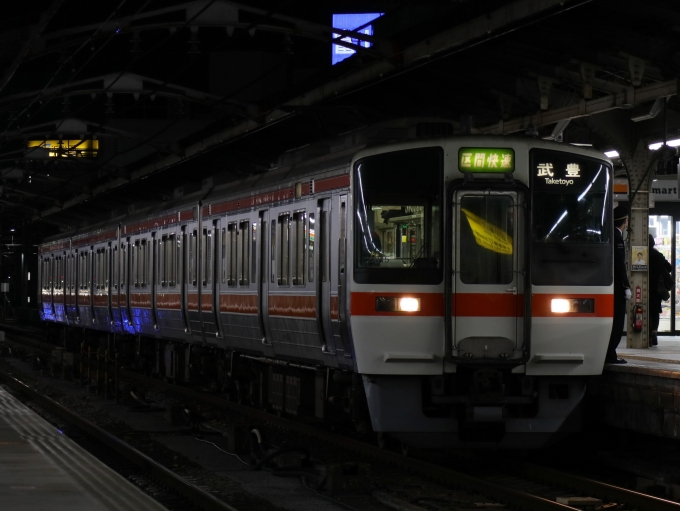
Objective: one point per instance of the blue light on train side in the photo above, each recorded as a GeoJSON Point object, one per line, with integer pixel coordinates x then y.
{"type": "Point", "coordinates": [352, 22]}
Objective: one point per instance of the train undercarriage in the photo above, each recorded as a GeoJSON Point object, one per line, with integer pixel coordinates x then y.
{"type": "Point", "coordinates": [476, 406]}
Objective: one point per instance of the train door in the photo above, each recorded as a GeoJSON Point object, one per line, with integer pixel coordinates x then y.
{"type": "Point", "coordinates": [320, 239]}
{"type": "Point", "coordinates": [488, 275]}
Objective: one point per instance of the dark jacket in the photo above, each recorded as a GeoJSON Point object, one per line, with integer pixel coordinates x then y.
{"type": "Point", "coordinates": [620, 276]}
{"type": "Point", "coordinates": [657, 263]}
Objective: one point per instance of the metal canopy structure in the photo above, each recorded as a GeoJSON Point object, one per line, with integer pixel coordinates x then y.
{"type": "Point", "coordinates": [121, 102]}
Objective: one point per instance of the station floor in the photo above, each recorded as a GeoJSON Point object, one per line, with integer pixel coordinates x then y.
{"type": "Point", "coordinates": [667, 353]}
{"type": "Point", "coordinates": [42, 469]}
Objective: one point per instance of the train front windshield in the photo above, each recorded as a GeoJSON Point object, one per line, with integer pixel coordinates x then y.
{"type": "Point", "coordinates": [397, 226]}
{"type": "Point", "coordinates": [571, 196]}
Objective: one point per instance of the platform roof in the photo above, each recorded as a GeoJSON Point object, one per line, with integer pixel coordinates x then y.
{"type": "Point", "coordinates": [171, 95]}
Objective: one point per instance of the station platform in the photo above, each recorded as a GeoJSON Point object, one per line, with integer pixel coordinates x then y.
{"type": "Point", "coordinates": [642, 395]}
{"type": "Point", "coordinates": [42, 469]}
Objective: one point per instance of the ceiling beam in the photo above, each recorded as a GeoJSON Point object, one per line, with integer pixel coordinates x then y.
{"type": "Point", "coordinates": [481, 28]}
{"type": "Point", "coordinates": [624, 99]}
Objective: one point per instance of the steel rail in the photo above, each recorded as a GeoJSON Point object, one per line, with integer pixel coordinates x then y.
{"type": "Point", "coordinates": [155, 470]}
{"type": "Point", "coordinates": [517, 499]}
{"type": "Point", "coordinates": [509, 496]}
{"type": "Point", "coordinates": [637, 500]}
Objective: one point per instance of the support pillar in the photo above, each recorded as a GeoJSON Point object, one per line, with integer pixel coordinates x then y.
{"type": "Point", "coordinates": [630, 140]}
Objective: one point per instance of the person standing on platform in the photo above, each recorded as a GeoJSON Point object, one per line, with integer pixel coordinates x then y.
{"type": "Point", "coordinates": [657, 264]}
{"type": "Point", "coordinates": [621, 285]}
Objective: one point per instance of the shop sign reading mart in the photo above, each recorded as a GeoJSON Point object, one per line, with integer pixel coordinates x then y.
{"type": "Point", "coordinates": [663, 190]}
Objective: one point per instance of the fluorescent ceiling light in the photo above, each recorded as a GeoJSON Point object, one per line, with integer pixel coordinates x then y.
{"type": "Point", "coordinates": [652, 147]}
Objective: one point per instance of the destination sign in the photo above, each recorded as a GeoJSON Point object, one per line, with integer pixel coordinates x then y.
{"type": "Point", "coordinates": [486, 159]}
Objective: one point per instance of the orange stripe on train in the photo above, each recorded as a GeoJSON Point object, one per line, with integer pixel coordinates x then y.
{"type": "Point", "coordinates": [292, 306]}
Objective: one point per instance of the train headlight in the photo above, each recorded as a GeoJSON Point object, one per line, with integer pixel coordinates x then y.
{"type": "Point", "coordinates": [409, 304]}
{"type": "Point", "coordinates": [574, 305]}
{"type": "Point", "coordinates": [397, 304]}
{"type": "Point", "coordinates": [560, 305]}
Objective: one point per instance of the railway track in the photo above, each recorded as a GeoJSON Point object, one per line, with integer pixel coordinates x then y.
{"type": "Point", "coordinates": [528, 487]}
{"type": "Point", "coordinates": [175, 492]}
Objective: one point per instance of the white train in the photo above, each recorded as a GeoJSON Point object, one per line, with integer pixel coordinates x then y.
{"type": "Point", "coordinates": [453, 289]}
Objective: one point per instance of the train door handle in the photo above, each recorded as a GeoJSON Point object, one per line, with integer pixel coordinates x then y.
{"type": "Point", "coordinates": [512, 290]}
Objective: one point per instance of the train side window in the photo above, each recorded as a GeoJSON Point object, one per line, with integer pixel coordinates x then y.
{"type": "Point", "coordinates": [284, 254]}
{"type": "Point", "coordinates": [323, 247]}
{"type": "Point", "coordinates": [98, 268]}
{"type": "Point", "coordinates": [135, 263]}
{"type": "Point", "coordinates": [207, 257]}
{"type": "Point", "coordinates": [273, 249]}
{"type": "Point", "coordinates": [124, 265]}
{"type": "Point", "coordinates": [116, 268]}
{"type": "Point", "coordinates": [312, 234]}
{"type": "Point", "coordinates": [299, 247]}
{"type": "Point", "coordinates": [86, 271]}
{"type": "Point", "coordinates": [223, 261]}
{"type": "Point", "coordinates": [244, 251]}
{"type": "Point", "coordinates": [144, 262]}
{"type": "Point", "coordinates": [95, 269]}
{"type": "Point", "coordinates": [139, 263]}
{"type": "Point", "coordinates": [178, 278]}
{"type": "Point", "coordinates": [253, 253]}
{"type": "Point", "coordinates": [233, 254]}
{"type": "Point", "coordinates": [107, 268]}
{"type": "Point", "coordinates": [170, 262]}
{"type": "Point", "coordinates": [162, 262]}
{"type": "Point", "coordinates": [80, 270]}
{"type": "Point", "coordinates": [193, 263]}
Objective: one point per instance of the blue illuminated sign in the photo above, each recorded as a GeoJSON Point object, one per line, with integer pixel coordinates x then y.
{"type": "Point", "coordinates": [352, 22]}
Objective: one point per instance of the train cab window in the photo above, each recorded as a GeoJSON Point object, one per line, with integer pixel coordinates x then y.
{"type": "Point", "coordinates": [244, 252]}
{"type": "Point", "coordinates": [571, 208]}
{"type": "Point", "coordinates": [283, 254]}
{"type": "Point", "coordinates": [397, 218]}
{"type": "Point", "coordinates": [299, 248]}
{"type": "Point", "coordinates": [232, 243]}
{"type": "Point", "coordinates": [482, 262]}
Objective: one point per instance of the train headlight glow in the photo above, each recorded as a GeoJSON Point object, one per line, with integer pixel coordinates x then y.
{"type": "Point", "coordinates": [397, 304]}
{"type": "Point", "coordinates": [408, 304]}
{"type": "Point", "coordinates": [560, 305]}
{"type": "Point", "coordinates": [573, 305]}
